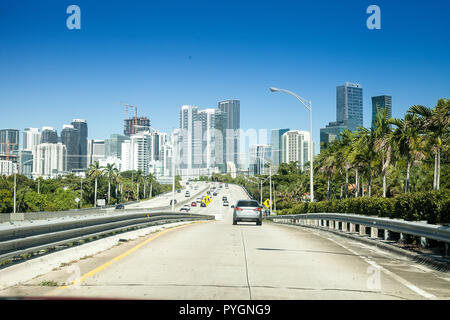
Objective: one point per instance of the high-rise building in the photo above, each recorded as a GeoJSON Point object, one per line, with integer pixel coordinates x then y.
{"type": "Point", "coordinates": [275, 142]}
{"type": "Point", "coordinates": [24, 162]}
{"type": "Point", "coordinates": [136, 152]}
{"type": "Point", "coordinates": [96, 151]}
{"type": "Point", "coordinates": [330, 133]}
{"type": "Point", "coordinates": [82, 127]}
{"type": "Point", "coordinates": [349, 112]}
{"type": "Point", "coordinates": [125, 155]}
{"type": "Point", "coordinates": [349, 105]}
{"type": "Point", "coordinates": [191, 140]}
{"type": "Point", "coordinates": [31, 138]}
{"type": "Point", "coordinates": [379, 103]}
{"type": "Point", "coordinates": [208, 119]}
{"type": "Point", "coordinates": [70, 137]}
{"type": "Point", "coordinates": [158, 140]}
{"type": "Point", "coordinates": [49, 160]}
{"type": "Point", "coordinates": [49, 135]}
{"type": "Point", "coordinates": [230, 118]}
{"type": "Point", "coordinates": [295, 147]}
{"type": "Point", "coordinates": [7, 167]}
{"type": "Point", "coordinates": [259, 157]}
{"type": "Point", "coordinates": [113, 145]}
{"type": "Point", "coordinates": [9, 141]}
{"type": "Point", "coordinates": [136, 125]}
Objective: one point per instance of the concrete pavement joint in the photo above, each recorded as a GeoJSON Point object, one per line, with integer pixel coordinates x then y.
{"type": "Point", "coordinates": [246, 266]}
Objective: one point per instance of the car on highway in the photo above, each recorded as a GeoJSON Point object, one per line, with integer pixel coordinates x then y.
{"type": "Point", "coordinates": [120, 207]}
{"type": "Point", "coordinates": [225, 203]}
{"type": "Point", "coordinates": [199, 200]}
{"type": "Point", "coordinates": [178, 191]}
{"type": "Point", "coordinates": [203, 205]}
{"type": "Point", "coordinates": [193, 204]}
{"type": "Point", "coordinates": [224, 198]}
{"type": "Point", "coordinates": [185, 208]}
{"type": "Point", "coordinates": [247, 211]}
{"type": "Point", "coordinates": [173, 200]}
{"type": "Point", "coordinates": [187, 194]}
{"type": "Point", "coordinates": [215, 194]}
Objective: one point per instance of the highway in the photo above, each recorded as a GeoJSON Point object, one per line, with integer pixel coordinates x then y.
{"type": "Point", "coordinates": [216, 260]}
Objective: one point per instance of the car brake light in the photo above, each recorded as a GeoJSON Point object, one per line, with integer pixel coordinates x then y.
{"type": "Point", "coordinates": [237, 209]}
{"type": "Point", "coordinates": [257, 209]}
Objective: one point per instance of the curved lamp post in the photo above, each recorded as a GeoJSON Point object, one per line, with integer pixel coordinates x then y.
{"type": "Point", "coordinates": [308, 105]}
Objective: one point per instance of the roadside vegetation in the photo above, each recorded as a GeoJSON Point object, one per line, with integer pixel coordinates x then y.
{"type": "Point", "coordinates": [61, 193]}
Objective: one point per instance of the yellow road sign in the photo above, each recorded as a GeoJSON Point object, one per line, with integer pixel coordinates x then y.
{"type": "Point", "coordinates": [267, 203]}
{"type": "Point", "coordinates": [206, 200]}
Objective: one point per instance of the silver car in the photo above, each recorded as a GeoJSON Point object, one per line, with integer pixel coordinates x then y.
{"type": "Point", "coordinates": [247, 211]}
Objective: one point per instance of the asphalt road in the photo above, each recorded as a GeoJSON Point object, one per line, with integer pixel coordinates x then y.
{"type": "Point", "coordinates": [216, 260]}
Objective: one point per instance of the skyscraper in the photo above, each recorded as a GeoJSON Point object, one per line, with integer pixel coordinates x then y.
{"type": "Point", "coordinates": [136, 125]}
{"type": "Point", "coordinates": [259, 157]}
{"type": "Point", "coordinates": [49, 160]}
{"type": "Point", "coordinates": [96, 151]}
{"type": "Point", "coordinates": [379, 103]}
{"type": "Point", "coordinates": [349, 105]}
{"type": "Point", "coordinates": [191, 140]}
{"type": "Point", "coordinates": [31, 138]}
{"type": "Point", "coordinates": [229, 127]}
{"type": "Point", "coordinates": [113, 145]}
{"type": "Point", "coordinates": [81, 126]}
{"type": "Point", "coordinates": [49, 135]}
{"type": "Point", "coordinates": [295, 147]}
{"type": "Point", "coordinates": [9, 141]}
{"type": "Point", "coordinates": [70, 137]}
{"type": "Point", "coordinates": [208, 119]}
{"type": "Point", "coordinates": [275, 142]}
{"type": "Point", "coordinates": [349, 112]}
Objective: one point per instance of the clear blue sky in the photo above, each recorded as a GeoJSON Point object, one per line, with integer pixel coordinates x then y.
{"type": "Point", "coordinates": [160, 55]}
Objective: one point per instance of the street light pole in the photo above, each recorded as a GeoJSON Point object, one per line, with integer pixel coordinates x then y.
{"type": "Point", "coordinates": [308, 105]}
{"type": "Point", "coordinates": [270, 187]}
{"type": "Point", "coordinates": [14, 191]}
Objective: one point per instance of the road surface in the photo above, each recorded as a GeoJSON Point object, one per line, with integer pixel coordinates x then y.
{"type": "Point", "coordinates": [216, 260]}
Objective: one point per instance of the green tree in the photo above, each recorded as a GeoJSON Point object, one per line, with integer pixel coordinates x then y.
{"type": "Point", "coordinates": [111, 172]}
{"type": "Point", "coordinates": [95, 171]}
{"type": "Point", "coordinates": [435, 125]}
{"type": "Point", "coordinates": [407, 142]}
{"type": "Point", "coordinates": [382, 134]}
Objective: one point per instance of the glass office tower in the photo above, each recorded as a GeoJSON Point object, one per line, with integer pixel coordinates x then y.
{"type": "Point", "coordinates": [378, 103]}
{"type": "Point", "coordinates": [349, 105]}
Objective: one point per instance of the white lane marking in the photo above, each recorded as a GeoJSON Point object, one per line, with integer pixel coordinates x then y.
{"type": "Point", "coordinates": [406, 283]}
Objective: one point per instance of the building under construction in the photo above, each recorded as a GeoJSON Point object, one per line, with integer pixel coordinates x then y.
{"type": "Point", "coordinates": [135, 124]}
{"type": "Point", "coordinates": [9, 143]}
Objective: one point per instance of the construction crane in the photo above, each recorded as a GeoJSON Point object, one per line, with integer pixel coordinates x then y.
{"type": "Point", "coordinates": [133, 125]}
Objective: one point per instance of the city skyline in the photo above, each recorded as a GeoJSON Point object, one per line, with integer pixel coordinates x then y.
{"type": "Point", "coordinates": [86, 73]}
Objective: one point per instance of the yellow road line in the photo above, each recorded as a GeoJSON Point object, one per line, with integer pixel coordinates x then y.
{"type": "Point", "coordinates": [123, 255]}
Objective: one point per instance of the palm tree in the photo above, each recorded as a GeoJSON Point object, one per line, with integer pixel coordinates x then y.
{"type": "Point", "coordinates": [408, 142]}
{"type": "Point", "coordinates": [139, 174]}
{"type": "Point", "coordinates": [95, 171]}
{"type": "Point", "coordinates": [110, 171]}
{"type": "Point", "coordinates": [435, 125]}
{"type": "Point", "coordinates": [363, 155]}
{"type": "Point", "coordinates": [345, 147]}
{"type": "Point", "coordinates": [383, 143]}
{"type": "Point", "coordinates": [326, 165]}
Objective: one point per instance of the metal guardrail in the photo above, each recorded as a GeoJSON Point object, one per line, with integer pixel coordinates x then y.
{"type": "Point", "coordinates": [349, 221]}
{"type": "Point", "coordinates": [43, 215]}
{"type": "Point", "coordinates": [22, 240]}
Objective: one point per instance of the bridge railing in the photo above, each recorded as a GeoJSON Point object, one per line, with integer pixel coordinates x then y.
{"type": "Point", "coordinates": [374, 227]}
{"type": "Point", "coordinates": [30, 240]}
